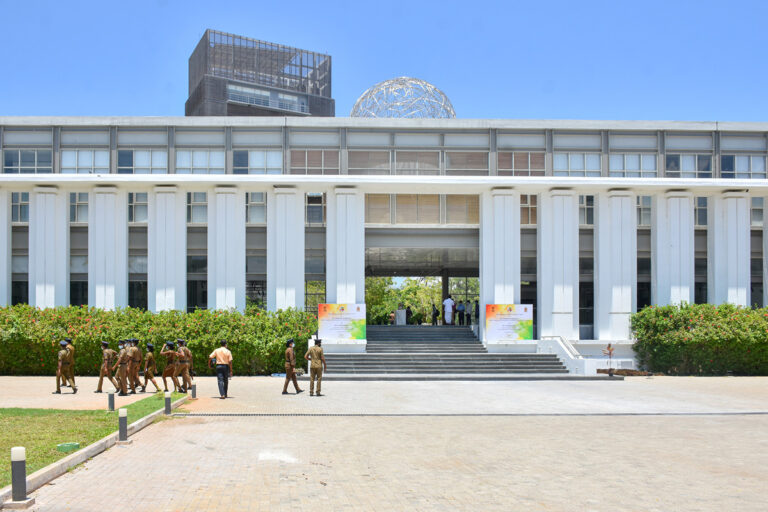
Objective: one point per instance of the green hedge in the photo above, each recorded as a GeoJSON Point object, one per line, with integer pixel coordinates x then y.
{"type": "Point", "coordinates": [702, 339]}
{"type": "Point", "coordinates": [29, 336]}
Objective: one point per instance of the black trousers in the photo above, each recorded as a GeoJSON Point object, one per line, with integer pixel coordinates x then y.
{"type": "Point", "coordinates": [461, 318]}
{"type": "Point", "coordinates": [222, 376]}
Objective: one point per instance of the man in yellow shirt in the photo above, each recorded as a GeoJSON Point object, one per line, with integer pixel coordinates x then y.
{"type": "Point", "coordinates": [316, 366]}
{"type": "Point", "coordinates": [222, 358]}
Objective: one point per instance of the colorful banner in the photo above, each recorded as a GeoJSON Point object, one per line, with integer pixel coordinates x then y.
{"type": "Point", "coordinates": [341, 322]}
{"type": "Point", "coordinates": [508, 322]}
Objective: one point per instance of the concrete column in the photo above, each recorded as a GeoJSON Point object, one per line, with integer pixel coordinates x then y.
{"type": "Point", "coordinates": [285, 249]}
{"type": "Point", "coordinates": [728, 249]}
{"type": "Point", "coordinates": [48, 247]}
{"type": "Point", "coordinates": [167, 249]}
{"type": "Point", "coordinates": [226, 249]}
{"type": "Point", "coordinates": [5, 248]}
{"type": "Point", "coordinates": [615, 264]}
{"type": "Point", "coordinates": [499, 249]}
{"type": "Point", "coordinates": [108, 248]}
{"type": "Point", "coordinates": [558, 266]}
{"type": "Point", "coordinates": [345, 247]}
{"type": "Point", "coordinates": [672, 249]}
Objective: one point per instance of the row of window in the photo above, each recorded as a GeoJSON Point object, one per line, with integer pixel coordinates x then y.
{"type": "Point", "coordinates": [327, 162]}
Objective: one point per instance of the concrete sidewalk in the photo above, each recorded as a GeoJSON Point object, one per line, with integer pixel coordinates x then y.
{"type": "Point", "coordinates": [35, 393]}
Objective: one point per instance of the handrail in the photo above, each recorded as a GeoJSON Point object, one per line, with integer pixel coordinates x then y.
{"type": "Point", "coordinates": [571, 358]}
{"type": "Point", "coordinates": [567, 345]}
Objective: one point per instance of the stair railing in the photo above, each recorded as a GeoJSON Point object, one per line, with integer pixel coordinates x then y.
{"type": "Point", "coordinates": [565, 350]}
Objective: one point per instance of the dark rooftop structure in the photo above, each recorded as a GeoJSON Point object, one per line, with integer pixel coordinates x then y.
{"type": "Point", "coordinates": [232, 75]}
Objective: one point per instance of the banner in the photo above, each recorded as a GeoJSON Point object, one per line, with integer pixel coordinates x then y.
{"type": "Point", "coordinates": [508, 322]}
{"type": "Point", "coordinates": [341, 322]}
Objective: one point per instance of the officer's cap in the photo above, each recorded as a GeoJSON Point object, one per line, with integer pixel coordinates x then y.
{"type": "Point", "coordinates": [68, 340]}
{"type": "Point", "coordinates": [105, 343]}
{"type": "Point", "coordinates": [169, 343]}
{"type": "Point", "coordinates": [63, 343]}
{"type": "Point", "coordinates": [150, 345]}
{"type": "Point", "coordinates": [318, 341]}
{"type": "Point", "coordinates": [288, 343]}
{"type": "Point", "coordinates": [180, 341]}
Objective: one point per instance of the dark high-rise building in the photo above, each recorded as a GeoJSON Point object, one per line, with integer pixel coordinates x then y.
{"type": "Point", "coordinates": [232, 75]}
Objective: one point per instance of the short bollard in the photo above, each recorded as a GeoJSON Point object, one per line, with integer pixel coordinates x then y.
{"type": "Point", "coordinates": [167, 403]}
{"type": "Point", "coordinates": [111, 400]}
{"type": "Point", "coordinates": [122, 432]}
{"type": "Point", "coordinates": [194, 391]}
{"type": "Point", "coordinates": [18, 480]}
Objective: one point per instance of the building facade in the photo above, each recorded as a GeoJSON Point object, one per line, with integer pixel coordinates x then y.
{"type": "Point", "coordinates": [586, 220]}
{"type": "Point", "coordinates": [232, 75]}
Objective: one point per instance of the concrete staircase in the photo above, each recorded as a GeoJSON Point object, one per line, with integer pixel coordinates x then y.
{"type": "Point", "coordinates": [432, 352]}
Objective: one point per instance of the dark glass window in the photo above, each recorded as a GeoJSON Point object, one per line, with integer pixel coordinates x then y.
{"type": "Point", "coordinates": [78, 293]}
{"type": "Point", "coordinates": [528, 265]}
{"type": "Point", "coordinates": [644, 266]}
{"type": "Point", "coordinates": [727, 166]}
{"type": "Point", "coordinates": [240, 162]}
{"type": "Point", "coordinates": [19, 292]}
{"type": "Point", "coordinates": [673, 163]}
{"type": "Point", "coordinates": [197, 295]}
{"type": "Point", "coordinates": [643, 295]}
{"type": "Point", "coordinates": [125, 158]}
{"type": "Point", "coordinates": [700, 293]}
{"type": "Point", "coordinates": [700, 267]}
{"type": "Point", "coordinates": [586, 266]}
{"type": "Point", "coordinates": [586, 303]}
{"type": "Point", "coordinates": [757, 295]}
{"type": "Point", "coordinates": [137, 294]}
{"type": "Point", "coordinates": [197, 264]}
{"type": "Point", "coordinates": [704, 166]}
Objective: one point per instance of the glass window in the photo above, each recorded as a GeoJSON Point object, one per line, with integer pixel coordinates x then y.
{"type": "Point", "coordinates": [78, 293]}
{"type": "Point", "coordinates": [78, 264]}
{"type": "Point", "coordinates": [318, 161]}
{"type": "Point", "coordinates": [256, 263]}
{"type": "Point", "coordinates": [200, 162]}
{"type": "Point", "coordinates": [137, 264]}
{"type": "Point", "coordinates": [255, 208]}
{"type": "Point", "coordinates": [417, 208]}
{"type": "Point", "coordinates": [262, 161]}
{"type": "Point", "coordinates": [377, 209]}
{"type": "Point", "coordinates": [700, 211]}
{"type": "Point", "coordinates": [20, 264]}
{"type": "Point", "coordinates": [466, 163]}
{"type": "Point", "coordinates": [643, 211]}
{"type": "Point", "coordinates": [137, 294]}
{"type": "Point", "coordinates": [27, 161]}
{"type": "Point", "coordinates": [576, 164]}
{"type": "Point", "coordinates": [20, 207]}
{"type": "Point", "coordinates": [315, 205]}
{"type": "Point", "coordinates": [462, 209]}
{"type": "Point", "coordinates": [742, 166]}
{"type": "Point", "coordinates": [417, 162]}
{"type": "Point", "coordinates": [84, 161]}
{"type": "Point", "coordinates": [756, 214]}
{"type": "Point", "coordinates": [144, 161]}
{"type": "Point", "coordinates": [528, 209]}
{"type": "Point", "coordinates": [520, 163]}
{"type": "Point", "coordinates": [138, 207]}
{"type": "Point", "coordinates": [368, 162]}
{"type": "Point", "coordinates": [197, 264]}
{"type": "Point", "coordinates": [78, 207]}
{"type": "Point", "coordinates": [632, 165]}
{"type": "Point", "coordinates": [197, 207]}
{"type": "Point", "coordinates": [688, 166]}
{"type": "Point", "coordinates": [587, 210]}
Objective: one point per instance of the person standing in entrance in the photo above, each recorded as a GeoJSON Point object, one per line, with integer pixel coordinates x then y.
{"type": "Point", "coordinates": [477, 312]}
{"type": "Point", "coordinates": [435, 314]}
{"type": "Point", "coordinates": [316, 367]}
{"type": "Point", "coordinates": [468, 313]}
{"type": "Point", "coordinates": [222, 357]}
{"type": "Point", "coordinates": [290, 368]}
{"type": "Point", "coordinates": [460, 311]}
{"type": "Point", "coordinates": [448, 306]}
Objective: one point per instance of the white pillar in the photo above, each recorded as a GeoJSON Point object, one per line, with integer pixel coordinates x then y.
{"type": "Point", "coordinates": [107, 248]}
{"type": "Point", "coordinates": [615, 264]}
{"type": "Point", "coordinates": [728, 249]}
{"type": "Point", "coordinates": [226, 249]}
{"type": "Point", "coordinates": [558, 268]}
{"type": "Point", "coordinates": [345, 247]}
{"type": "Point", "coordinates": [672, 249]}
{"type": "Point", "coordinates": [285, 249]}
{"type": "Point", "coordinates": [48, 248]}
{"type": "Point", "coordinates": [5, 248]}
{"type": "Point", "coordinates": [167, 250]}
{"type": "Point", "coordinates": [499, 249]}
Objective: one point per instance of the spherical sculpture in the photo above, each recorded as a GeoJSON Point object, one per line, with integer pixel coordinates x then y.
{"type": "Point", "coordinates": [404, 97]}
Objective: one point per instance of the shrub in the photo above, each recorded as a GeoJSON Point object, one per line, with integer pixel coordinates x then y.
{"type": "Point", "coordinates": [702, 339]}
{"type": "Point", "coordinates": [29, 336]}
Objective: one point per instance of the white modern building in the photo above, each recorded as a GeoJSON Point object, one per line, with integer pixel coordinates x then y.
{"type": "Point", "coordinates": [586, 220]}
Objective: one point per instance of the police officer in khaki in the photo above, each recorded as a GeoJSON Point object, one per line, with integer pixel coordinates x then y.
{"type": "Point", "coordinates": [171, 362]}
{"type": "Point", "coordinates": [107, 359]}
{"type": "Point", "coordinates": [316, 367]}
{"type": "Point", "coordinates": [290, 368]}
{"type": "Point", "coordinates": [131, 353]}
{"type": "Point", "coordinates": [71, 357]}
{"type": "Point", "coordinates": [122, 362]}
{"type": "Point", "coordinates": [150, 368]}
{"type": "Point", "coordinates": [137, 357]}
{"type": "Point", "coordinates": [183, 367]}
{"type": "Point", "coordinates": [64, 369]}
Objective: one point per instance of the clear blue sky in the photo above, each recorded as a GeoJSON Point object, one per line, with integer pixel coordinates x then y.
{"type": "Point", "coordinates": [692, 60]}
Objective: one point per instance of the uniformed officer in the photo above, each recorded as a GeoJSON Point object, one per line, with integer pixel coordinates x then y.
{"type": "Point", "coordinates": [316, 366]}
{"type": "Point", "coordinates": [150, 368]}
{"type": "Point", "coordinates": [171, 362]}
{"type": "Point", "coordinates": [183, 366]}
{"type": "Point", "coordinates": [131, 353]}
{"type": "Point", "coordinates": [122, 363]}
{"type": "Point", "coordinates": [62, 368]}
{"type": "Point", "coordinates": [137, 357]}
{"type": "Point", "coordinates": [107, 359]}
{"type": "Point", "coordinates": [71, 356]}
{"type": "Point", "coordinates": [290, 368]}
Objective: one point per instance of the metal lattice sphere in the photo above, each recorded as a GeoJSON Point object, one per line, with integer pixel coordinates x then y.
{"type": "Point", "coordinates": [404, 97]}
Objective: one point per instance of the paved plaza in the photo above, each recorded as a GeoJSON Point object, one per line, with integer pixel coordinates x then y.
{"type": "Point", "coordinates": [655, 444]}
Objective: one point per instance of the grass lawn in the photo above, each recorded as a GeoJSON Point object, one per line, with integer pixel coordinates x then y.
{"type": "Point", "coordinates": [40, 430]}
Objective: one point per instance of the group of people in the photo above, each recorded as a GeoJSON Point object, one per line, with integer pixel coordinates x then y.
{"type": "Point", "coordinates": [316, 367]}
{"type": "Point", "coordinates": [126, 365]}
{"type": "Point", "coordinates": [461, 313]}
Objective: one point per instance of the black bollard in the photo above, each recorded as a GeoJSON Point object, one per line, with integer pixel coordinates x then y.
{"type": "Point", "coordinates": [123, 425]}
{"type": "Point", "coordinates": [167, 403]}
{"type": "Point", "coordinates": [194, 391]}
{"type": "Point", "coordinates": [18, 480]}
{"type": "Point", "coordinates": [111, 400]}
